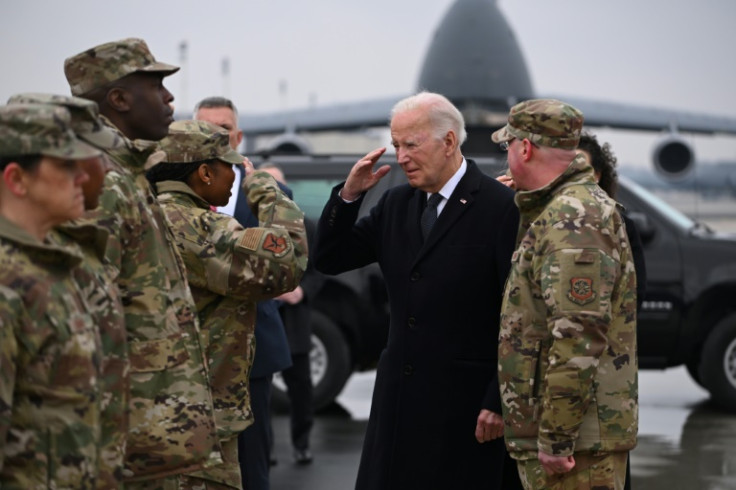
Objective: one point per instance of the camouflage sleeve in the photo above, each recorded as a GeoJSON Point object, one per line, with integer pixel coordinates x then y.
{"type": "Point", "coordinates": [577, 285]}
{"type": "Point", "coordinates": [8, 364]}
{"type": "Point", "coordinates": [264, 261]}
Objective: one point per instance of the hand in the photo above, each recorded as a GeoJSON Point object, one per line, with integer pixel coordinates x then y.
{"type": "Point", "coordinates": [248, 166]}
{"type": "Point", "coordinates": [507, 180]}
{"type": "Point", "coordinates": [292, 297]}
{"type": "Point", "coordinates": [362, 177]}
{"type": "Point", "coordinates": [489, 426]}
{"type": "Point", "coordinates": [555, 464]}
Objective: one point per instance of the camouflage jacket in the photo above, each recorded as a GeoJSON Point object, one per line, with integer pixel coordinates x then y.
{"type": "Point", "coordinates": [171, 424]}
{"type": "Point", "coordinates": [229, 269]}
{"type": "Point", "coordinates": [567, 347]}
{"type": "Point", "coordinates": [102, 297]}
{"type": "Point", "coordinates": [49, 368]}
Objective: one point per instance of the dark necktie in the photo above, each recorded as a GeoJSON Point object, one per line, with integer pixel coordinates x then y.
{"type": "Point", "coordinates": [429, 215]}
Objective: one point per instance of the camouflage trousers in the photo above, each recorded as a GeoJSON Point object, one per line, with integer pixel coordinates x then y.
{"type": "Point", "coordinates": [592, 471]}
{"type": "Point", "coordinates": [225, 476]}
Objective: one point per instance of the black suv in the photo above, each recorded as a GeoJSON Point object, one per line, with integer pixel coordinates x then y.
{"type": "Point", "coordinates": [688, 316]}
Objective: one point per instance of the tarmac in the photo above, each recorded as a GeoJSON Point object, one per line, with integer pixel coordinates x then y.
{"type": "Point", "coordinates": [684, 442]}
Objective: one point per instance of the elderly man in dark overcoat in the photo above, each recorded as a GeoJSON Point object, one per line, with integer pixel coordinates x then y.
{"type": "Point", "coordinates": [444, 244]}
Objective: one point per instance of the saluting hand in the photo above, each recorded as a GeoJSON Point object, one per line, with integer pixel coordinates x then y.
{"type": "Point", "coordinates": [362, 177]}
{"type": "Point", "coordinates": [247, 166]}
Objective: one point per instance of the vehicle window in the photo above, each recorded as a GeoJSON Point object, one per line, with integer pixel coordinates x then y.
{"type": "Point", "coordinates": [672, 214]}
{"type": "Point", "coordinates": [311, 195]}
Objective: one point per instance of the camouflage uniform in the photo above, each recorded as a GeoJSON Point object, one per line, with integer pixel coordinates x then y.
{"type": "Point", "coordinates": [171, 428]}
{"type": "Point", "coordinates": [105, 307]}
{"type": "Point", "coordinates": [102, 296]}
{"type": "Point", "coordinates": [49, 345]}
{"type": "Point", "coordinates": [230, 268]}
{"type": "Point", "coordinates": [567, 346]}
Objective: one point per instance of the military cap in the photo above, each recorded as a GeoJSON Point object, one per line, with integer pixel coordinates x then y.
{"type": "Point", "coordinates": [85, 117]}
{"type": "Point", "coordinates": [98, 66]}
{"type": "Point", "coordinates": [197, 141]}
{"type": "Point", "coordinates": [544, 122]}
{"type": "Point", "coordinates": [40, 129]}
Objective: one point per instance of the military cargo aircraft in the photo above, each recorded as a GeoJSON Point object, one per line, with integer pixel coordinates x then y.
{"type": "Point", "coordinates": [475, 60]}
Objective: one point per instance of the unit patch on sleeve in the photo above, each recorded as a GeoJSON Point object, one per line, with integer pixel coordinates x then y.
{"type": "Point", "coordinates": [581, 290]}
{"type": "Point", "coordinates": [277, 245]}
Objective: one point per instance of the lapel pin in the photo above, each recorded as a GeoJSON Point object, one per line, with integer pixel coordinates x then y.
{"type": "Point", "coordinates": [463, 201]}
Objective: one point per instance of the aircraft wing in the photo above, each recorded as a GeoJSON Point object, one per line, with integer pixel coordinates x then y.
{"type": "Point", "coordinates": [371, 113]}
{"type": "Point", "coordinates": [637, 117]}
{"type": "Point", "coordinates": [338, 116]}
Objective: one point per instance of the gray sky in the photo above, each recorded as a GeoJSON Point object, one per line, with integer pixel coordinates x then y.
{"type": "Point", "coordinates": [665, 53]}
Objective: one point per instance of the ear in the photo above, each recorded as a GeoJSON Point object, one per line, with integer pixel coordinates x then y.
{"type": "Point", "coordinates": [205, 173]}
{"type": "Point", "coordinates": [239, 137]}
{"type": "Point", "coordinates": [13, 178]}
{"type": "Point", "coordinates": [450, 142]}
{"type": "Point", "coordinates": [526, 150]}
{"type": "Point", "coordinates": [119, 99]}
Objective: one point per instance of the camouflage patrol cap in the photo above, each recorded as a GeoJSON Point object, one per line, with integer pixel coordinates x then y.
{"type": "Point", "coordinates": [198, 141]}
{"type": "Point", "coordinates": [40, 129]}
{"type": "Point", "coordinates": [85, 117]}
{"type": "Point", "coordinates": [98, 66]}
{"type": "Point", "coordinates": [544, 122]}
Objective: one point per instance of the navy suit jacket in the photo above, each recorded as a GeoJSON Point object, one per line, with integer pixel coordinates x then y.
{"type": "Point", "coordinates": [272, 347]}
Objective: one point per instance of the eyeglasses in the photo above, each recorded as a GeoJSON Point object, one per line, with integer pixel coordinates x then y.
{"type": "Point", "coordinates": [505, 144]}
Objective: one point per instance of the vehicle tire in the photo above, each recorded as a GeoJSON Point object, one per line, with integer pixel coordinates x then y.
{"type": "Point", "coordinates": [330, 364]}
{"type": "Point", "coordinates": [330, 360]}
{"type": "Point", "coordinates": [693, 369]}
{"type": "Point", "coordinates": [718, 364]}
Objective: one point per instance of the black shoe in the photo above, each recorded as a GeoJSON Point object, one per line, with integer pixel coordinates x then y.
{"type": "Point", "coordinates": [302, 456]}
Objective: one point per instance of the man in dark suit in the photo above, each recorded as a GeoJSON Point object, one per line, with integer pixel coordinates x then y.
{"type": "Point", "coordinates": [296, 313]}
{"type": "Point", "coordinates": [434, 420]}
{"type": "Point", "coordinates": [272, 348]}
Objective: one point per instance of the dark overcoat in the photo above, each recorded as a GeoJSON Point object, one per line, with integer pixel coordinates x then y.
{"type": "Point", "coordinates": [439, 366]}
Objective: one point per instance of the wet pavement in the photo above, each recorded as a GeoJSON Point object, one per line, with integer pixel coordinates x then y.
{"type": "Point", "coordinates": [684, 442]}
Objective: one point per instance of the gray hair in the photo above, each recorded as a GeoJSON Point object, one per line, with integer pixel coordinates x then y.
{"type": "Point", "coordinates": [443, 115]}
{"type": "Point", "coordinates": [215, 103]}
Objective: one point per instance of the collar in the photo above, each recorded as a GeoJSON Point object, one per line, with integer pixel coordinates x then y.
{"type": "Point", "coordinates": [43, 251]}
{"type": "Point", "coordinates": [141, 149]}
{"type": "Point", "coordinates": [450, 185]}
{"type": "Point", "coordinates": [86, 234]}
{"type": "Point", "coordinates": [178, 187]}
{"type": "Point", "coordinates": [578, 172]}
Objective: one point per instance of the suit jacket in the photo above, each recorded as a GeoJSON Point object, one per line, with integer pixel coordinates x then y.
{"type": "Point", "coordinates": [297, 317]}
{"type": "Point", "coordinates": [272, 348]}
{"type": "Point", "coordinates": [439, 366]}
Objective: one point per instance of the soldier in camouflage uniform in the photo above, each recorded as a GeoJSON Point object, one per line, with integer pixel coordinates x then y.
{"type": "Point", "coordinates": [567, 346]}
{"type": "Point", "coordinates": [98, 286]}
{"type": "Point", "coordinates": [171, 425]}
{"type": "Point", "coordinates": [50, 347]}
{"type": "Point", "coordinates": [229, 268]}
